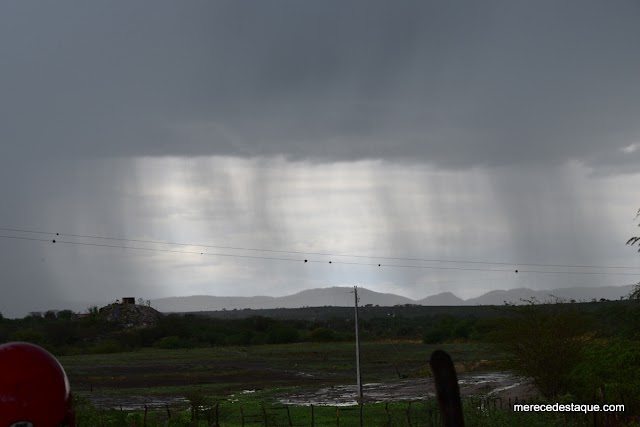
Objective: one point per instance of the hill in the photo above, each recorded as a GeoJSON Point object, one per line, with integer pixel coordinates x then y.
{"type": "Point", "coordinates": [130, 315]}
{"type": "Point", "coordinates": [319, 297]}
{"type": "Point", "coordinates": [343, 297]}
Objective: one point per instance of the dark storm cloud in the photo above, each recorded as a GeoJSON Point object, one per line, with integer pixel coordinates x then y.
{"type": "Point", "coordinates": [458, 85]}
{"type": "Point", "coordinates": [451, 83]}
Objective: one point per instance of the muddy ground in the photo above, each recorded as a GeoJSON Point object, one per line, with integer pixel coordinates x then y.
{"type": "Point", "coordinates": [492, 384]}
{"type": "Point", "coordinates": [309, 373]}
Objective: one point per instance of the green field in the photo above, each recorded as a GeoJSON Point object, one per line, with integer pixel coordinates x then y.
{"type": "Point", "coordinates": [226, 370]}
{"type": "Point", "coordinates": [244, 383]}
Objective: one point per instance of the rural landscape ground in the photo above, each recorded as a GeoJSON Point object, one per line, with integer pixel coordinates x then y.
{"type": "Point", "coordinates": [296, 375]}
{"type": "Point", "coordinates": [130, 365]}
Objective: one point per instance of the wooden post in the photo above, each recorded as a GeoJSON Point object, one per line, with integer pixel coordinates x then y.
{"type": "Point", "coordinates": [217, 415]}
{"type": "Point", "coordinates": [409, 414]}
{"type": "Point", "coordinates": [386, 409]}
{"type": "Point", "coordinates": [289, 416]}
{"type": "Point", "coordinates": [447, 389]}
{"type": "Point", "coordinates": [359, 376]}
{"type": "Point", "coordinates": [361, 405]}
{"type": "Point", "coordinates": [312, 418]}
{"type": "Point", "coordinates": [337, 417]}
{"type": "Point", "coordinates": [264, 414]}
{"type": "Point", "coordinates": [242, 416]}
{"type": "Point", "coordinates": [144, 422]}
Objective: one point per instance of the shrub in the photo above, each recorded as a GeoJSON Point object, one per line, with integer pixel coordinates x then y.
{"type": "Point", "coordinates": [546, 342]}
{"type": "Point", "coordinates": [172, 342]}
{"type": "Point", "coordinates": [27, 335]}
{"type": "Point", "coordinates": [107, 347]}
{"type": "Point", "coordinates": [323, 335]}
{"type": "Point", "coordinates": [612, 363]}
{"type": "Point", "coordinates": [282, 335]}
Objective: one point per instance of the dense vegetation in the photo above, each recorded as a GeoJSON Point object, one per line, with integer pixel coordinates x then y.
{"type": "Point", "coordinates": [571, 353]}
{"type": "Point", "coordinates": [64, 332]}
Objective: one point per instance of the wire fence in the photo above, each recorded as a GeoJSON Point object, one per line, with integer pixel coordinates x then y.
{"type": "Point", "coordinates": [419, 413]}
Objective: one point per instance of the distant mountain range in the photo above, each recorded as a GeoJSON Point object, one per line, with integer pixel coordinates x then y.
{"type": "Point", "coordinates": [343, 296]}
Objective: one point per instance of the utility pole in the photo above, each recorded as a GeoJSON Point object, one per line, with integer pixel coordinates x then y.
{"type": "Point", "coordinates": [355, 293]}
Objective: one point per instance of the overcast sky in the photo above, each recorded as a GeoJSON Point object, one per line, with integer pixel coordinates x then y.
{"type": "Point", "coordinates": [493, 131]}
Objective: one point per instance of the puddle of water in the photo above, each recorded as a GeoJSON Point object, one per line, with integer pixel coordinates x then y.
{"type": "Point", "coordinates": [488, 384]}
{"type": "Point", "coordinates": [346, 395]}
{"type": "Point", "coordinates": [414, 389]}
{"type": "Point", "coordinates": [507, 387]}
{"type": "Point", "coordinates": [484, 378]}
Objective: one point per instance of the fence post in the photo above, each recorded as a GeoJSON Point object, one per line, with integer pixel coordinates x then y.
{"type": "Point", "coordinates": [289, 416]}
{"type": "Point", "coordinates": [168, 411]}
{"type": "Point", "coordinates": [144, 422]}
{"type": "Point", "coordinates": [337, 417]}
{"type": "Point", "coordinates": [312, 419]}
{"type": "Point", "coordinates": [217, 415]}
{"type": "Point", "coordinates": [242, 416]}
{"type": "Point", "coordinates": [361, 406]}
{"type": "Point", "coordinates": [264, 414]}
{"type": "Point", "coordinates": [409, 414]}
{"type": "Point", "coordinates": [386, 409]}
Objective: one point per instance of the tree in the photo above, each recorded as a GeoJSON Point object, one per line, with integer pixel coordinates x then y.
{"type": "Point", "coordinates": [93, 311]}
{"type": "Point", "coordinates": [632, 241]}
{"type": "Point", "coordinates": [545, 342]}
{"type": "Point", "coordinates": [635, 292]}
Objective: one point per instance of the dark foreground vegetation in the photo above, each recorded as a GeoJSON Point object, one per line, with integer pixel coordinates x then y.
{"type": "Point", "coordinates": [571, 352]}
{"type": "Point", "coordinates": [479, 412]}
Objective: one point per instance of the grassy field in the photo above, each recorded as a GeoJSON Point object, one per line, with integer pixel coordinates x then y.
{"type": "Point", "coordinates": [244, 381]}
{"type": "Point", "coordinates": [238, 386]}
{"type": "Point", "coordinates": [254, 412]}
{"type": "Point", "coordinates": [222, 371]}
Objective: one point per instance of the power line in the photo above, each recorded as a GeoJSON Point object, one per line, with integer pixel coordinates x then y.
{"type": "Point", "coordinates": [57, 241]}
{"type": "Point", "coordinates": [84, 236]}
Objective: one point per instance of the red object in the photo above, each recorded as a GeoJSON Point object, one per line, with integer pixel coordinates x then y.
{"type": "Point", "coordinates": [34, 389]}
